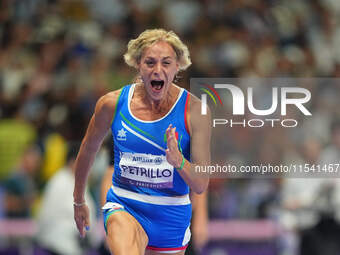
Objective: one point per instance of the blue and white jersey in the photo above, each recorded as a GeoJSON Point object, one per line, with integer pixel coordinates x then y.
{"type": "Point", "coordinates": [139, 148]}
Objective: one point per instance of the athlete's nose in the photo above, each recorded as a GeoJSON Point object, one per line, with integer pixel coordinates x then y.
{"type": "Point", "coordinates": [157, 69]}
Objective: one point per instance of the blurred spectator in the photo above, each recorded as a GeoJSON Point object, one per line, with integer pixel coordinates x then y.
{"type": "Point", "coordinates": [57, 232]}
{"type": "Point", "coordinates": [54, 156]}
{"type": "Point", "coordinates": [181, 16]}
{"type": "Point", "coordinates": [311, 205]}
{"type": "Point", "coordinates": [15, 135]}
{"type": "Point", "coordinates": [331, 153]}
{"type": "Point", "coordinates": [323, 237]}
{"type": "Point", "coordinates": [298, 198]}
{"type": "Point", "coordinates": [20, 187]}
{"type": "Point", "coordinates": [330, 203]}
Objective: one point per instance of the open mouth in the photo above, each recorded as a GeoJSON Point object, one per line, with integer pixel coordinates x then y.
{"type": "Point", "coordinates": [157, 85]}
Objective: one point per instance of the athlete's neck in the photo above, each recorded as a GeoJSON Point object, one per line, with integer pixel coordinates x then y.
{"type": "Point", "coordinates": [157, 106]}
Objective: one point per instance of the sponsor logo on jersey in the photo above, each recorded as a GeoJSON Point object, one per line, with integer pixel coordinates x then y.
{"type": "Point", "coordinates": [121, 135]}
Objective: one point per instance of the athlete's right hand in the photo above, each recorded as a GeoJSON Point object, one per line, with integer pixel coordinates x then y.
{"type": "Point", "coordinates": [82, 218]}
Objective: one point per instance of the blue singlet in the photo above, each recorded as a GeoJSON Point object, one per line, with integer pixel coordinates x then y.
{"type": "Point", "coordinates": [144, 183]}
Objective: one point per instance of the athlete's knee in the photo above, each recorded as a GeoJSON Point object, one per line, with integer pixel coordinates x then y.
{"type": "Point", "coordinates": [124, 236]}
{"type": "Point", "coordinates": [121, 229]}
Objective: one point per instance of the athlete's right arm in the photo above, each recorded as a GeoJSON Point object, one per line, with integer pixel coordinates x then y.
{"type": "Point", "coordinates": [95, 134]}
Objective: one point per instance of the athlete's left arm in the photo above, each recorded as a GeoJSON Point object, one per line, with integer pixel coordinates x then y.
{"type": "Point", "coordinates": [200, 135]}
{"type": "Point", "coordinates": [200, 219]}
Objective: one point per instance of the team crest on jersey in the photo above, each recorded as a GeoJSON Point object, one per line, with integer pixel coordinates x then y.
{"type": "Point", "coordinates": [121, 135]}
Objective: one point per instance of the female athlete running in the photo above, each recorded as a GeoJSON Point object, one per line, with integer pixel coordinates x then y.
{"type": "Point", "coordinates": [148, 209]}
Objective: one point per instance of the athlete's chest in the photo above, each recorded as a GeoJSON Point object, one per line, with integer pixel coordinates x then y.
{"type": "Point", "coordinates": [145, 112]}
{"type": "Point", "coordinates": [138, 127]}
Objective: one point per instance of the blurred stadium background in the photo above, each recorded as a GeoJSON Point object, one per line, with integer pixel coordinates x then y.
{"type": "Point", "coordinates": [57, 57]}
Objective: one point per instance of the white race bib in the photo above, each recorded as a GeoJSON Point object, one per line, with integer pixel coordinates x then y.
{"type": "Point", "coordinates": [146, 170]}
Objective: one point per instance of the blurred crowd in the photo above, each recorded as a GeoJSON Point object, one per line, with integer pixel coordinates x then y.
{"type": "Point", "coordinates": [57, 57]}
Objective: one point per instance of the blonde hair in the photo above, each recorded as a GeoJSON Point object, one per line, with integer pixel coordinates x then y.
{"type": "Point", "coordinates": [151, 36]}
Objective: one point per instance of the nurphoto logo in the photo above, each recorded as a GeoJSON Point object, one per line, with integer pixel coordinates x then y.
{"type": "Point", "coordinates": [243, 103]}
{"type": "Point", "coordinates": [267, 127]}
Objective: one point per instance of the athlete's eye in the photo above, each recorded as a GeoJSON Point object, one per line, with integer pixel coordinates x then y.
{"type": "Point", "coordinates": [149, 63]}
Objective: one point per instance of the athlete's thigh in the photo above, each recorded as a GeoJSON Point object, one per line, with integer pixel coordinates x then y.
{"type": "Point", "coordinates": [150, 252]}
{"type": "Point", "coordinates": [124, 233]}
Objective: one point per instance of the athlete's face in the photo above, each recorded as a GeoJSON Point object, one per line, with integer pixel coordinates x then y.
{"type": "Point", "coordinates": [158, 67]}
